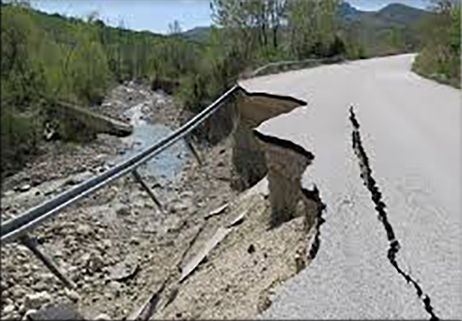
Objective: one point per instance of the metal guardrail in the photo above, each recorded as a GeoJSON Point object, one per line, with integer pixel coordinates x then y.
{"type": "Point", "coordinates": [17, 227]}
{"type": "Point", "coordinates": [20, 225]}
{"type": "Point", "coordinates": [282, 66]}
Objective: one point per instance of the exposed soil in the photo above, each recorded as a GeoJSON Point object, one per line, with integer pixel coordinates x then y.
{"type": "Point", "coordinates": [119, 248]}
{"type": "Point", "coordinates": [242, 272]}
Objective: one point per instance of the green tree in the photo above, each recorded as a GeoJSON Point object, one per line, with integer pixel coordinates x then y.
{"type": "Point", "coordinates": [313, 27]}
{"type": "Point", "coordinates": [88, 66]}
{"type": "Point", "coordinates": [250, 27]}
{"type": "Point", "coordinates": [439, 57]}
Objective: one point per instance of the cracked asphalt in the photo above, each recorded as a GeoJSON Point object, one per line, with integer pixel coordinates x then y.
{"type": "Point", "coordinates": [410, 132]}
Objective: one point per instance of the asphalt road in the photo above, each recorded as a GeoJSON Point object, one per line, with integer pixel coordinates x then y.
{"type": "Point", "coordinates": [410, 132]}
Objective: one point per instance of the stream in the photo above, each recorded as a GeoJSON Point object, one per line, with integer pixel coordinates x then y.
{"type": "Point", "coordinates": [164, 166]}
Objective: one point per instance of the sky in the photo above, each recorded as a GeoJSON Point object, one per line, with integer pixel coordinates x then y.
{"type": "Point", "coordinates": [156, 15]}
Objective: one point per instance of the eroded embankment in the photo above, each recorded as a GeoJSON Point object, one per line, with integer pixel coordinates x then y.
{"type": "Point", "coordinates": [116, 245]}
{"type": "Point", "coordinates": [394, 245]}
{"type": "Point", "coordinates": [234, 267]}
{"type": "Point", "coordinates": [122, 252]}
{"type": "Point", "coordinates": [259, 107]}
{"type": "Point", "coordinates": [287, 162]}
{"type": "Point", "coordinates": [254, 108]}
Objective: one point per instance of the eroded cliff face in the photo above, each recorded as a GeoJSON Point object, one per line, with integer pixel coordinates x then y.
{"type": "Point", "coordinates": [249, 162]}
{"type": "Point", "coordinates": [256, 155]}
{"type": "Point", "coordinates": [286, 163]}
{"type": "Point", "coordinates": [248, 159]}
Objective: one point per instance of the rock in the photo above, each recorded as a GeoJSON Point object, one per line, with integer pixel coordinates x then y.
{"type": "Point", "coordinates": [17, 292]}
{"type": "Point", "coordinates": [125, 269]}
{"type": "Point", "coordinates": [115, 286]}
{"type": "Point", "coordinates": [36, 300]}
{"type": "Point", "coordinates": [124, 211]}
{"type": "Point", "coordinates": [8, 193]}
{"type": "Point", "coordinates": [25, 188]}
{"type": "Point", "coordinates": [149, 205]}
{"type": "Point", "coordinates": [107, 243]}
{"type": "Point", "coordinates": [78, 178]}
{"type": "Point", "coordinates": [102, 316]}
{"type": "Point", "coordinates": [181, 206]}
{"type": "Point", "coordinates": [84, 230]}
{"type": "Point", "coordinates": [157, 185]}
{"type": "Point", "coordinates": [8, 309]}
{"type": "Point", "coordinates": [40, 286]}
{"type": "Point", "coordinates": [134, 240]}
{"type": "Point", "coordinates": [96, 263]}
{"type": "Point", "coordinates": [71, 294]}
{"type": "Point", "coordinates": [114, 190]}
{"type": "Point", "coordinates": [85, 258]}
{"type": "Point", "coordinates": [60, 310]}
{"type": "Point", "coordinates": [29, 315]}
{"type": "Point", "coordinates": [150, 228]}
{"type": "Point", "coordinates": [21, 309]}
{"type": "Point", "coordinates": [110, 164]}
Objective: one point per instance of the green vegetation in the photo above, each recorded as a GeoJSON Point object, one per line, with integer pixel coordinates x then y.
{"type": "Point", "coordinates": [439, 58]}
{"type": "Point", "coordinates": [51, 58]}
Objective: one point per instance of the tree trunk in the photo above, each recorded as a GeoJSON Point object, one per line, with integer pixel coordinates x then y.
{"type": "Point", "coordinates": [275, 37]}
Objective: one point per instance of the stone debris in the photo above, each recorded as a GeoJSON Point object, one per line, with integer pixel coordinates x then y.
{"type": "Point", "coordinates": [8, 309]}
{"type": "Point", "coordinates": [71, 294]}
{"type": "Point", "coordinates": [102, 316]}
{"type": "Point", "coordinates": [29, 315]}
{"type": "Point", "coordinates": [36, 300]}
{"type": "Point", "coordinates": [124, 269]}
{"type": "Point", "coordinates": [60, 310]}
{"type": "Point", "coordinates": [112, 244]}
{"type": "Point", "coordinates": [25, 188]}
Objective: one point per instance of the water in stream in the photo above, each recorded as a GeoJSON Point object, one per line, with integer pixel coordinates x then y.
{"type": "Point", "coordinates": [164, 166]}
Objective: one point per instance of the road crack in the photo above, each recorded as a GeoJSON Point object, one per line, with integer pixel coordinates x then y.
{"type": "Point", "coordinates": [394, 245]}
{"type": "Point", "coordinates": [314, 196]}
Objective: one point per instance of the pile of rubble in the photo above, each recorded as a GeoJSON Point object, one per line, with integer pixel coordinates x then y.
{"type": "Point", "coordinates": [106, 241]}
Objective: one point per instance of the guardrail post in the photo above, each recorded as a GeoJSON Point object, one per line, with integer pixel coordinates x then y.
{"type": "Point", "coordinates": [13, 228]}
{"type": "Point", "coordinates": [31, 244]}
{"type": "Point", "coordinates": [193, 150]}
{"type": "Point", "coordinates": [138, 178]}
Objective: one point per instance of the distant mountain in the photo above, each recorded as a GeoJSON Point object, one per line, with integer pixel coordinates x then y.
{"type": "Point", "coordinates": [348, 13]}
{"type": "Point", "coordinates": [402, 14]}
{"type": "Point", "coordinates": [377, 30]}
{"type": "Point", "coordinates": [372, 28]}
{"type": "Point", "coordinates": [394, 13]}
{"type": "Point", "coordinates": [198, 34]}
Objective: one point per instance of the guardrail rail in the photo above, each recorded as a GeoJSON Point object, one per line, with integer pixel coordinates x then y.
{"type": "Point", "coordinates": [17, 228]}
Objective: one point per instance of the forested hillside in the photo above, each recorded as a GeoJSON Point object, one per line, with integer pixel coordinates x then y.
{"type": "Point", "coordinates": [393, 29]}
{"type": "Point", "coordinates": [50, 58]}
